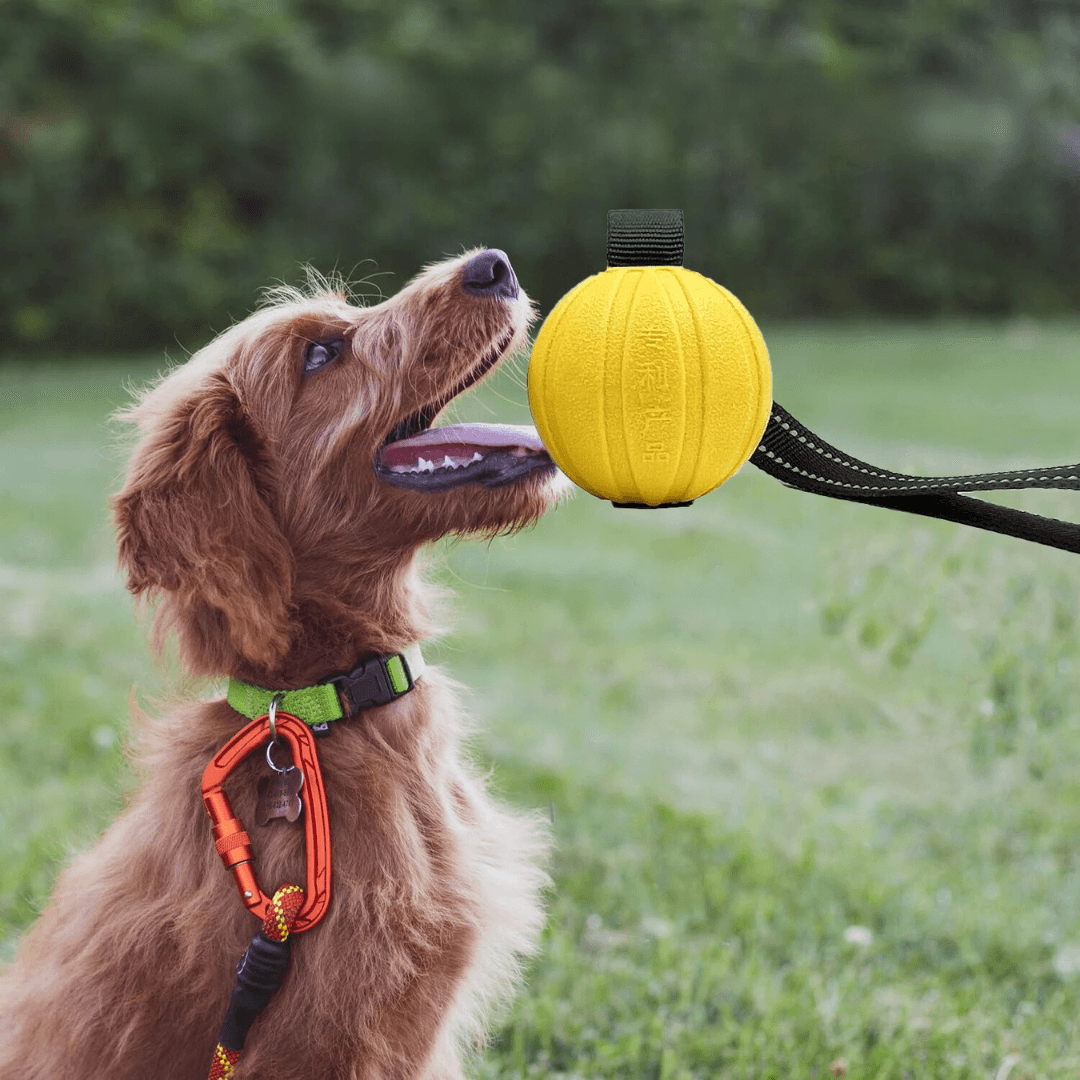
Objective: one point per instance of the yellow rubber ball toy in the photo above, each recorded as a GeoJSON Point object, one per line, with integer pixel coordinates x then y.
{"type": "Point", "coordinates": [649, 384]}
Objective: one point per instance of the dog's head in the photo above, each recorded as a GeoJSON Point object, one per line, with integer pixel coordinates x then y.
{"type": "Point", "coordinates": [288, 472]}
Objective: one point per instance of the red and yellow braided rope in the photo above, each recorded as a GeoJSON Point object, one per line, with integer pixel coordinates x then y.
{"type": "Point", "coordinates": [277, 925]}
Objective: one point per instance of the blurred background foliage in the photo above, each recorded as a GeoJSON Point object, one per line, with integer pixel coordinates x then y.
{"type": "Point", "coordinates": [161, 160]}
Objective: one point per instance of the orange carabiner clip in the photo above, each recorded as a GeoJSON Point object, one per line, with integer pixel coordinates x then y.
{"type": "Point", "coordinates": [233, 843]}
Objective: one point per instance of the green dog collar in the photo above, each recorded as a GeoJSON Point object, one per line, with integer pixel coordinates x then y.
{"type": "Point", "coordinates": [376, 681]}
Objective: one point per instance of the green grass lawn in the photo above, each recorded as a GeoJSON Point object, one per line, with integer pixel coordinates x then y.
{"type": "Point", "coordinates": [814, 767]}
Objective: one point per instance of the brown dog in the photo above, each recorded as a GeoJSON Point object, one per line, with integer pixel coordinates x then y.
{"type": "Point", "coordinates": [285, 480]}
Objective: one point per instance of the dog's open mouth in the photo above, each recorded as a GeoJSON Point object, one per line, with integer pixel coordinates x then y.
{"type": "Point", "coordinates": [444, 457]}
{"type": "Point", "coordinates": [423, 458]}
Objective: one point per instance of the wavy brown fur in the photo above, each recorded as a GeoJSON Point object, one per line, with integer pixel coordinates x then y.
{"type": "Point", "coordinates": [252, 511]}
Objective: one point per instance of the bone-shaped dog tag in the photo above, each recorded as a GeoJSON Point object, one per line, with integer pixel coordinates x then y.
{"type": "Point", "coordinates": [279, 796]}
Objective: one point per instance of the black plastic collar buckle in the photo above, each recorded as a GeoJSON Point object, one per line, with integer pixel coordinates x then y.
{"type": "Point", "coordinates": [371, 684]}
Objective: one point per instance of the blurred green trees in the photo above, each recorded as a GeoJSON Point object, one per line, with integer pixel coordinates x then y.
{"type": "Point", "coordinates": [161, 160]}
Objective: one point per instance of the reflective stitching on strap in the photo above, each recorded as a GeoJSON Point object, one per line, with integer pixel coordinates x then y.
{"type": "Point", "coordinates": [902, 482]}
{"type": "Point", "coordinates": [790, 453]}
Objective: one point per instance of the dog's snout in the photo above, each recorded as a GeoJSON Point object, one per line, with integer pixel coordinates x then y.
{"type": "Point", "coordinates": [490, 274]}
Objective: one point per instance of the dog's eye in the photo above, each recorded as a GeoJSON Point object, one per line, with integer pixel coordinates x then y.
{"type": "Point", "coordinates": [319, 353]}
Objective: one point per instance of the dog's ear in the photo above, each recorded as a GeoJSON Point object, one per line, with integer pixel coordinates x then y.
{"type": "Point", "coordinates": [194, 523]}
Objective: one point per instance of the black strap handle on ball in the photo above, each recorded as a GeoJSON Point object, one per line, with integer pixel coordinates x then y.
{"type": "Point", "coordinates": [800, 459]}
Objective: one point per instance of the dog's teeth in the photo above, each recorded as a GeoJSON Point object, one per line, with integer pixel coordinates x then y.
{"type": "Point", "coordinates": [448, 462]}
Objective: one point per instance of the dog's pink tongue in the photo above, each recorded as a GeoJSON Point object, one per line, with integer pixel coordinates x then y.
{"type": "Point", "coordinates": [462, 441]}
{"type": "Point", "coordinates": [523, 435]}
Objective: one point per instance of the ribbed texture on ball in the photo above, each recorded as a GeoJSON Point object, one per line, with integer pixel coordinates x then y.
{"type": "Point", "coordinates": [649, 384]}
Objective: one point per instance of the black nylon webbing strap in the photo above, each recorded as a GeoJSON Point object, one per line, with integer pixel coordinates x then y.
{"type": "Point", "coordinates": [802, 460]}
{"type": "Point", "coordinates": [645, 238]}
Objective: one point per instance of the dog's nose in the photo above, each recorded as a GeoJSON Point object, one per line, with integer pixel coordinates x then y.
{"type": "Point", "coordinates": [490, 274]}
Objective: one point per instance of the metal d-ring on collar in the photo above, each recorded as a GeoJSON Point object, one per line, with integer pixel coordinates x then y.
{"type": "Point", "coordinates": [274, 701]}
{"type": "Point", "coordinates": [271, 718]}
